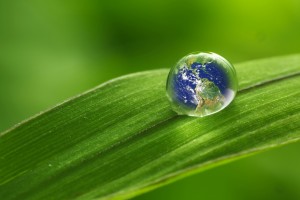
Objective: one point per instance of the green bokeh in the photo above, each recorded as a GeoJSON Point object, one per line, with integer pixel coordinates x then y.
{"type": "Point", "coordinates": [53, 49]}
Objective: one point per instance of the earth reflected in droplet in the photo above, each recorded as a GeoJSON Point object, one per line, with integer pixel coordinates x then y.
{"type": "Point", "coordinates": [201, 84]}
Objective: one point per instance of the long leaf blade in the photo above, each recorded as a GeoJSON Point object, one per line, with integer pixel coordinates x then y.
{"type": "Point", "coordinates": [122, 138]}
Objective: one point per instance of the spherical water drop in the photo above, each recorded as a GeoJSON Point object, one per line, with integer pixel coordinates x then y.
{"type": "Point", "coordinates": [201, 84]}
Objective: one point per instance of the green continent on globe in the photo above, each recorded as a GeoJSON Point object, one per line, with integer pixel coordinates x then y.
{"type": "Point", "coordinates": [209, 96]}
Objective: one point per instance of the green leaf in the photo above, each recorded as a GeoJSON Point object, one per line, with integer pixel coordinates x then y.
{"type": "Point", "coordinates": [121, 138]}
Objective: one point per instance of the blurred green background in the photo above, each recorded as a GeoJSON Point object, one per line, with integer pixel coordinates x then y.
{"type": "Point", "coordinates": [51, 50]}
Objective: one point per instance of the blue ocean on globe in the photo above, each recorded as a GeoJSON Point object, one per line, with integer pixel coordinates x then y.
{"type": "Point", "coordinates": [186, 81]}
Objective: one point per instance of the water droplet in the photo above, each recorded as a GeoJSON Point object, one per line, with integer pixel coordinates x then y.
{"type": "Point", "coordinates": [201, 84]}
